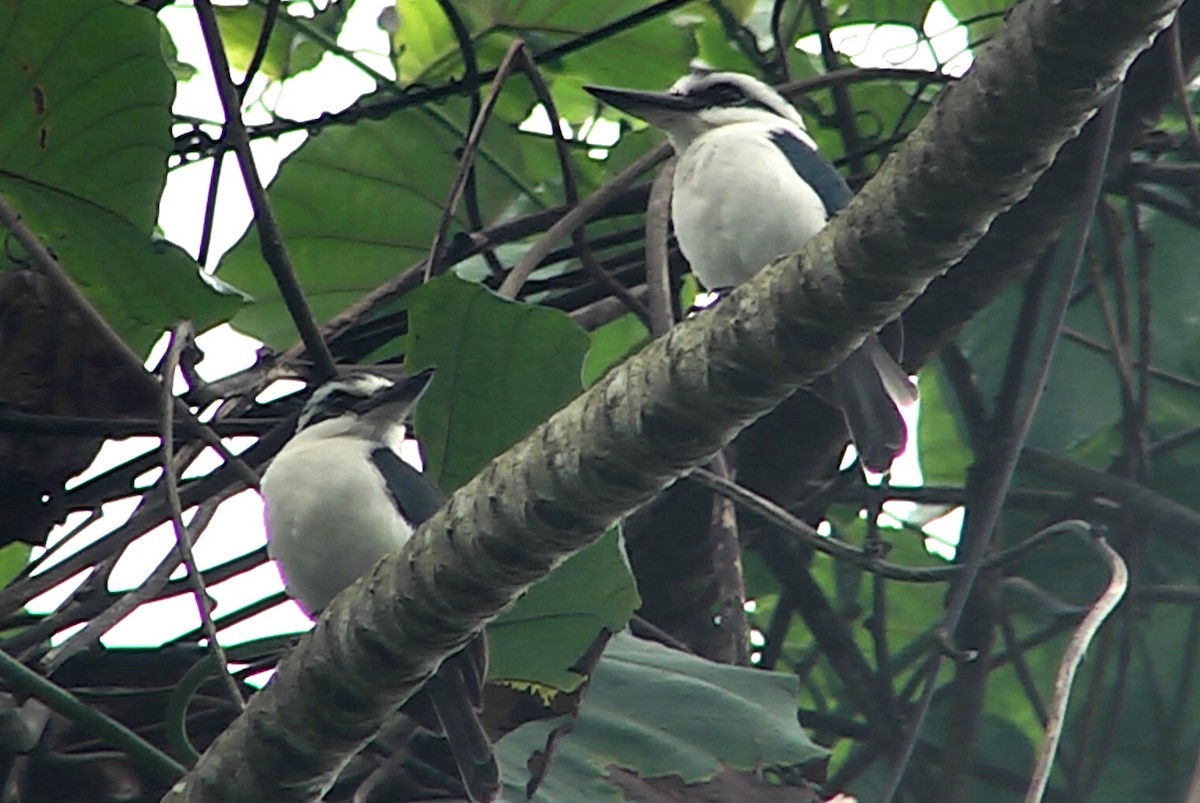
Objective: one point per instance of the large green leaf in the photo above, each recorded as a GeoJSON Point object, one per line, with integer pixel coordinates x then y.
{"type": "Point", "coordinates": [945, 456]}
{"type": "Point", "coordinates": [87, 103]}
{"type": "Point", "coordinates": [358, 204]}
{"type": "Point", "coordinates": [1157, 731]}
{"type": "Point", "coordinates": [140, 287]}
{"type": "Point", "coordinates": [1006, 755]}
{"type": "Point", "coordinates": [1081, 398]}
{"type": "Point", "coordinates": [427, 51]}
{"type": "Point", "coordinates": [13, 558]}
{"type": "Point", "coordinates": [983, 18]}
{"type": "Point", "coordinates": [612, 343]}
{"type": "Point", "coordinates": [83, 155]}
{"type": "Point", "coordinates": [563, 614]}
{"type": "Point", "coordinates": [502, 369]}
{"type": "Point", "coordinates": [289, 51]}
{"type": "Point", "coordinates": [658, 716]}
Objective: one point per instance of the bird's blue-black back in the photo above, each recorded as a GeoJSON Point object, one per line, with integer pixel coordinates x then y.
{"type": "Point", "coordinates": [415, 496]}
{"type": "Point", "coordinates": [815, 169]}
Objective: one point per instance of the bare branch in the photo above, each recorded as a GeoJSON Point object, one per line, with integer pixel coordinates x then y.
{"type": "Point", "coordinates": [1072, 657]}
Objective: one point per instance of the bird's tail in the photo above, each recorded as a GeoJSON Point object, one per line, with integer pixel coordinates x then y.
{"type": "Point", "coordinates": [456, 692]}
{"type": "Point", "coordinates": [868, 387]}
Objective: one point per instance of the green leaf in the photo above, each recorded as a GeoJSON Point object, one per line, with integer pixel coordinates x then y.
{"type": "Point", "coordinates": [655, 713]}
{"type": "Point", "coordinates": [1157, 731]}
{"type": "Point", "coordinates": [912, 608]}
{"type": "Point", "coordinates": [140, 287]}
{"type": "Point", "coordinates": [289, 52]}
{"type": "Point", "coordinates": [563, 614]}
{"type": "Point", "coordinates": [611, 344]}
{"type": "Point", "coordinates": [87, 103]}
{"type": "Point", "coordinates": [903, 12]}
{"type": "Point", "coordinates": [983, 18]}
{"type": "Point", "coordinates": [502, 369]}
{"type": "Point", "coordinates": [945, 456]}
{"type": "Point", "coordinates": [423, 38]}
{"type": "Point", "coordinates": [360, 203]}
{"type": "Point", "coordinates": [13, 558]}
{"type": "Point", "coordinates": [1003, 750]}
{"type": "Point", "coordinates": [1082, 397]}
{"type": "Point", "coordinates": [428, 52]}
{"type": "Point", "coordinates": [83, 144]}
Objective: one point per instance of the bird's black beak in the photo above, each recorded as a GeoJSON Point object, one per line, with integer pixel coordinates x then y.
{"type": "Point", "coordinates": [649, 106]}
{"type": "Point", "coordinates": [409, 389]}
{"type": "Point", "coordinates": [394, 403]}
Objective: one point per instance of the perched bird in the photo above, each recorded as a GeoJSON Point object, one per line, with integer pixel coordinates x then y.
{"type": "Point", "coordinates": [338, 498]}
{"type": "Point", "coordinates": [751, 186]}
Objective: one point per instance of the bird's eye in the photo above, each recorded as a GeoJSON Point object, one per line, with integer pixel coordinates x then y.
{"type": "Point", "coordinates": [725, 94]}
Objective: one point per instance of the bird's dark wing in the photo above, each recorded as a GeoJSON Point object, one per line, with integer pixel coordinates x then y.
{"type": "Point", "coordinates": [869, 384]}
{"type": "Point", "coordinates": [814, 168]}
{"type": "Point", "coordinates": [415, 496]}
{"type": "Point", "coordinates": [456, 689]}
{"type": "Point", "coordinates": [456, 693]}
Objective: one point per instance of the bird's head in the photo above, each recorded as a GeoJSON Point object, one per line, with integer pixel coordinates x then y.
{"type": "Point", "coordinates": [702, 101]}
{"type": "Point", "coordinates": [363, 402]}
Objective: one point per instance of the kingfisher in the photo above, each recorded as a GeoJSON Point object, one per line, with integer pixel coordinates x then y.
{"type": "Point", "coordinates": [337, 498]}
{"type": "Point", "coordinates": [751, 186]}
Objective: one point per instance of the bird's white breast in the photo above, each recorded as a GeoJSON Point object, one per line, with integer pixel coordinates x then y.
{"type": "Point", "coordinates": [329, 516]}
{"type": "Point", "coordinates": [738, 204]}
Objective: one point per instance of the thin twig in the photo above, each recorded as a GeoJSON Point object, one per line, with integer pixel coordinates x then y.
{"type": "Point", "coordinates": [146, 517]}
{"type": "Point", "coordinates": [72, 426]}
{"type": "Point", "coordinates": [1072, 657]}
{"type": "Point", "coordinates": [45, 262]}
{"type": "Point", "coordinates": [270, 16]}
{"type": "Point", "coordinates": [843, 109]}
{"type": "Point", "coordinates": [472, 85]}
{"type": "Point", "coordinates": [410, 277]}
{"type": "Point", "coordinates": [1020, 350]}
{"type": "Point", "coordinates": [23, 680]}
{"type": "Point", "coordinates": [658, 267]}
{"type": "Point", "coordinates": [583, 249]}
{"type": "Point", "coordinates": [1180, 81]}
{"type": "Point", "coordinates": [1092, 344]}
{"type": "Point", "coordinates": [210, 210]}
{"type": "Point", "coordinates": [841, 550]}
{"type": "Point", "coordinates": [1168, 204]}
{"type": "Point", "coordinates": [1012, 649]}
{"type": "Point", "coordinates": [1178, 521]}
{"type": "Point", "coordinates": [983, 519]}
{"type": "Point", "coordinates": [183, 537]}
{"type": "Point", "coordinates": [466, 163]}
{"type": "Point", "coordinates": [1145, 334]}
{"type": "Point", "coordinates": [783, 46]}
{"type": "Point", "coordinates": [270, 236]}
{"type": "Point", "coordinates": [731, 640]}
{"type": "Point", "coordinates": [214, 179]}
{"type": "Point", "coordinates": [408, 99]}
{"type": "Point", "coordinates": [777, 630]}
{"type": "Point", "coordinates": [961, 376]}
{"type": "Point", "coordinates": [108, 612]}
{"type": "Point", "coordinates": [1120, 351]}
{"type": "Point", "coordinates": [577, 217]}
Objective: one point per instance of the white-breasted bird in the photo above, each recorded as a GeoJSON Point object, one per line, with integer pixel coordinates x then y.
{"type": "Point", "coordinates": [337, 499]}
{"type": "Point", "coordinates": [751, 186]}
